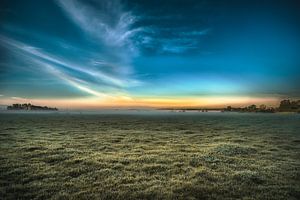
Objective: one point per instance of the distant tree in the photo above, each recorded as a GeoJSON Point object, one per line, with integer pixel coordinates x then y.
{"type": "Point", "coordinates": [263, 107]}
{"type": "Point", "coordinates": [252, 107]}
{"type": "Point", "coordinates": [29, 107]}
{"type": "Point", "coordinates": [285, 104]}
{"type": "Point", "coordinates": [294, 105]}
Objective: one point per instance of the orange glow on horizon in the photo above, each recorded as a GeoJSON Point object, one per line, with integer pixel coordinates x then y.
{"type": "Point", "coordinates": [138, 102]}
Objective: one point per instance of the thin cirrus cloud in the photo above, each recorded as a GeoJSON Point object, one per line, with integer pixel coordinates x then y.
{"type": "Point", "coordinates": [107, 72]}
{"type": "Point", "coordinates": [178, 45]}
{"type": "Point", "coordinates": [18, 99]}
{"type": "Point", "coordinates": [55, 66]}
{"type": "Point", "coordinates": [106, 22]}
{"type": "Point", "coordinates": [37, 53]}
{"type": "Point", "coordinates": [161, 39]}
{"type": "Point", "coordinates": [116, 28]}
{"type": "Point", "coordinates": [72, 81]}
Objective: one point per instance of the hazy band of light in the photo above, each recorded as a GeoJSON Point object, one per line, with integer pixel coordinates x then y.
{"type": "Point", "coordinates": [126, 102]}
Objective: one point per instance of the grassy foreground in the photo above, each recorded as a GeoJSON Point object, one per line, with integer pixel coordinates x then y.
{"type": "Point", "coordinates": [168, 156]}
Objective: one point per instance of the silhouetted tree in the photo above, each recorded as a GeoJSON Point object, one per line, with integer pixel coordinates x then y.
{"type": "Point", "coordinates": [263, 107]}
{"type": "Point", "coordinates": [252, 107]}
{"type": "Point", "coordinates": [285, 104]}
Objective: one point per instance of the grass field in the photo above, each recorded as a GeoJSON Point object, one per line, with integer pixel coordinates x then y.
{"type": "Point", "coordinates": [150, 156]}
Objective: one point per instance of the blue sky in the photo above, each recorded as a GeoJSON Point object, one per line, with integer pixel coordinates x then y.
{"type": "Point", "coordinates": [142, 52]}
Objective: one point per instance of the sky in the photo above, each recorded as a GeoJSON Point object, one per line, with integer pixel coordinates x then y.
{"type": "Point", "coordinates": [95, 54]}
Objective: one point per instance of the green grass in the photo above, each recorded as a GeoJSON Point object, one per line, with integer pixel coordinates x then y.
{"type": "Point", "coordinates": [168, 156]}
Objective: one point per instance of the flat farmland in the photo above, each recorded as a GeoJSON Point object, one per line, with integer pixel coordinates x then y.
{"type": "Point", "coordinates": [150, 156]}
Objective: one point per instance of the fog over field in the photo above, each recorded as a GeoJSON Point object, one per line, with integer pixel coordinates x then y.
{"type": "Point", "coordinates": [149, 155]}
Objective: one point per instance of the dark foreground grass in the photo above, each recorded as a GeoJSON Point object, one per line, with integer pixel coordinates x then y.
{"type": "Point", "coordinates": [170, 156]}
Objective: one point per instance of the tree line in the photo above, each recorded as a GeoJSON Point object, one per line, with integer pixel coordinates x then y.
{"type": "Point", "coordinates": [28, 106]}
{"type": "Point", "coordinates": [284, 106]}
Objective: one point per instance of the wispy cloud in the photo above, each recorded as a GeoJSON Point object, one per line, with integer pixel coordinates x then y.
{"type": "Point", "coordinates": [114, 30]}
{"type": "Point", "coordinates": [106, 21]}
{"type": "Point", "coordinates": [194, 33]}
{"type": "Point", "coordinates": [19, 98]}
{"type": "Point", "coordinates": [161, 39]}
{"type": "Point", "coordinates": [102, 73]}
{"type": "Point", "coordinates": [178, 45]}
{"type": "Point", "coordinates": [39, 54]}
{"type": "Point", "coordinates": [110, 26]}
{"type": "Point", "coordinates": [77, 83]}
{"type": "Point", "coordinates": [56, 66]}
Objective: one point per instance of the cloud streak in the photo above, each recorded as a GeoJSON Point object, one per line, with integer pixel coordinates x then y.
{"type": "Point", "coordinates": [106, 21]}
{"type": "Point", "coordinates": [55, 66]}
{"type": "Point", "coordinates": [175, 40]}
{"type": "Point", "coordinates": [39, 54]}
{"type": "Point", "coordinates": [116, 28]}
{"type": "Point", "coordinates": [74, 82]}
